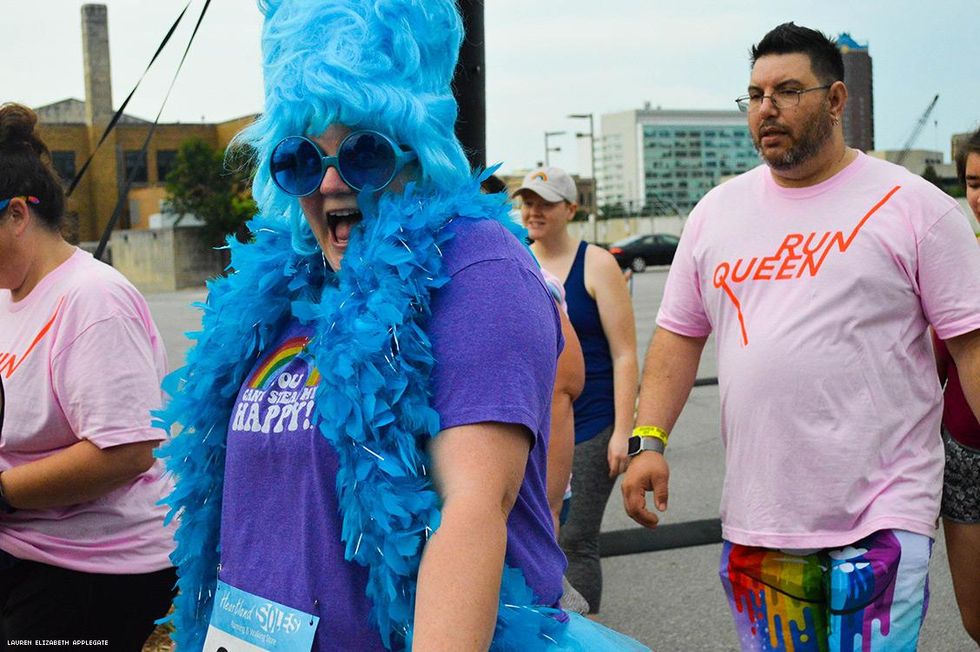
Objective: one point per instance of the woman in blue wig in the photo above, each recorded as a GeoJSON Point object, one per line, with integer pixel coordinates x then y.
{"type": "Point", "coordinates": [362, 425]}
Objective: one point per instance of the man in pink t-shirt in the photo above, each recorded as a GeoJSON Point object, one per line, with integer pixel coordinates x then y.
{"type": "Point", "coordinates": [819, 274]}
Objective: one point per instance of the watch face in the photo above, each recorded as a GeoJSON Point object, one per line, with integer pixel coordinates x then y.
{"type": "Point", "coordinates": [634, 446]}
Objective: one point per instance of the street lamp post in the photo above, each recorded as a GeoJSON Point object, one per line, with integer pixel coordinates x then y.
{"type": "Point", "coordinates": [595, 196]}
{"type": "Point", "coordinates": [547, 148]}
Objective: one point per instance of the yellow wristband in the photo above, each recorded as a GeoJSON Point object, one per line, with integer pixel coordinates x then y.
{"type": "Point", "coordinates": [651, 431]}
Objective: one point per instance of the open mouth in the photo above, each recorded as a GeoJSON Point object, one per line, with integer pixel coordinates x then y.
{"type": "Point", "coordinates": [340, 223]}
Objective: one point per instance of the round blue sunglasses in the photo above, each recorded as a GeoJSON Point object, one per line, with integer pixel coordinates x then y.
{"type": "Point", "coordinates": [365, 160]}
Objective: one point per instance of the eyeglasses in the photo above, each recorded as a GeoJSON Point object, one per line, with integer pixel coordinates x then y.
{"type": "Point", "coordinates": [781, 99]}
{"type": "Point", "coordinates": [365, 160]}
{"type": "Point", "coordinates": [30, 199]}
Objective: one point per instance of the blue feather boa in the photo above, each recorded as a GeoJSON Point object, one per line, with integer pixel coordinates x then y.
{"type": "Point", "coordinates": [375, 358]}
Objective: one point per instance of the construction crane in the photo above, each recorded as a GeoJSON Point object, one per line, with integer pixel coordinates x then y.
{"type": "Point", "coordinates": [916, 131]}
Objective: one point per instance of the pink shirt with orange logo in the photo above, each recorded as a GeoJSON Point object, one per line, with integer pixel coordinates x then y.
{"type": "Point", "coordinates": [80, 358]}
{"type": "Point", "coordinates": [820, 299]}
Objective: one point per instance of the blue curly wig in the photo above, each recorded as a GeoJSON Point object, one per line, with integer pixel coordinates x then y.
{"type": "Point", "coordinates": [377, 64]}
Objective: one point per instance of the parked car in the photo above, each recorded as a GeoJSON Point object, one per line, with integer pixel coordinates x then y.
{"type": "Point", "coordinates": [638, 251]}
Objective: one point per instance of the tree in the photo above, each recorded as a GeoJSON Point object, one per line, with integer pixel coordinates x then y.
{"type": "Point", "coordinates": [612, 211]}
{"type": "Point", "coordinates": [202, 185]}
{"type": "Point", "coordinates": [930, 175]}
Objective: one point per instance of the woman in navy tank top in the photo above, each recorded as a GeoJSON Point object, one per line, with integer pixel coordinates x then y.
{"type": "Point", "coordinates": [601, 312]}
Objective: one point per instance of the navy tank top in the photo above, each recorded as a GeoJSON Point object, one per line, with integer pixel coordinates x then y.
{"type": "Point", "coordinates": [595, 407]}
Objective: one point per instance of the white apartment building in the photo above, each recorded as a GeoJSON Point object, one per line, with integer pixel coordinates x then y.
{"type": "Point", "coordinates": [662, 161]}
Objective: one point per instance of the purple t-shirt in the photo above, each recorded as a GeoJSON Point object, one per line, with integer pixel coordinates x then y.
{"type": "Point", "coordinates": [496, 335]}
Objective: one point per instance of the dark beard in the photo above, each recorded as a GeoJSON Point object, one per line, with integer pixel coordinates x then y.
{"type": "Point", "coordinates": [812, 139]}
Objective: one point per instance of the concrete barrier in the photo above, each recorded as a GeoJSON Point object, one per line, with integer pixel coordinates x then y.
{"type": "Point", "coordinates": [606, 231]}
{"type": "Point", "coordinates": [164, 260]}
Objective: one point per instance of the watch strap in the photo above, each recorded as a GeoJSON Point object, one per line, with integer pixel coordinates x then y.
{"type": "Point", "coordinates": [639, 444]}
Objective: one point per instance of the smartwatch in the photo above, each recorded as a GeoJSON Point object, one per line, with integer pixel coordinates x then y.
{"type": "Point", "coordinates": [639, 444]}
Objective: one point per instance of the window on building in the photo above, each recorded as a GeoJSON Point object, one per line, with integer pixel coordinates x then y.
{"type": "Point", "coordinates": [64, 164]}
{"type": "Point", "coordinates": [165, 163]}
{"type": "Point", "coordinates": [136, 166]}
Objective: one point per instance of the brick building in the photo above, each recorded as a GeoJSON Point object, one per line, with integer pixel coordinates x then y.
{"type": "Point", "coordinates": [72, 128]}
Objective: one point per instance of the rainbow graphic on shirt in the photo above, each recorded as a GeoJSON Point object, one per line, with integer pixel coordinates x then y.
{"type": "Point", "coordinates": [277, 360]}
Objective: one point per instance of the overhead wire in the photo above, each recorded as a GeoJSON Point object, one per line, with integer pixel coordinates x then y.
{"type": "Point", "coordinates": [122, 107]}
{"type": "Point", "coordinates": [124, 191]}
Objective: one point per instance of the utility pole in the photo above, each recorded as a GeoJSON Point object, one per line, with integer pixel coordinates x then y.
{"type": "Point", "coordinates": [470, 87]}
{"type": "Point", "coordinates": [595, 188]}
{"type": "Point", "coordinates": [548, 148]}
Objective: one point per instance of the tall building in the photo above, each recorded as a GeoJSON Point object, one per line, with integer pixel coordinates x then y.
{"type": "Point", "coordinates": [859, 120]}
{"type": "Point", "coordinates": [72, 128]}
{"type": "Point", "coordinates": [662, 161]}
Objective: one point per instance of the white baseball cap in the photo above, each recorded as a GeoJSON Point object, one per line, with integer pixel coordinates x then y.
{"type": "Point", "coordinates": [551, 184]}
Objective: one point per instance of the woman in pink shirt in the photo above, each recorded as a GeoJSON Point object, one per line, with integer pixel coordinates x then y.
{"type": "Point", "coordinates": [84, 554]}
{"type": "Point", "coordinates": [961, 430]}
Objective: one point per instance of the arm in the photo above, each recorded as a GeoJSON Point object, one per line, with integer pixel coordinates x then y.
{"type": "Point", "coordinates": [480, 468]}
{"type": "Point", "coordinates": [77, 474]}
{"type": "Point", "coordinates": [608, 287]}
{"type": "Point", "coordinates": [108, 415]}
{"type": "Point", "coordinates": [569, 380]}
{"type": "Point", "coordinates": [965, 350]}
{"type": "Point", "coordinates": [941, 353]}
{"type": "Point", "coordinates": [668, 375]}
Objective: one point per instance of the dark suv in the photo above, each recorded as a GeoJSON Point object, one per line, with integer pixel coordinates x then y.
{"type": "Point", "coordinates": [638, 251]}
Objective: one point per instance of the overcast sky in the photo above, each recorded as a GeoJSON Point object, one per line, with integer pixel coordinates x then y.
{"type": "Point", "coordinates": [544, 61]}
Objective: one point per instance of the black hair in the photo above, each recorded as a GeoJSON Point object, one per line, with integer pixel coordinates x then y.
{"type": "Point", "coordinates": [25, 165]}
{"type": "Point", "coordinates": [493, 184]}
{"type": "Point", "coordinates": [825, 59]}
{"type": "Point", "coordinates": [971, 146]}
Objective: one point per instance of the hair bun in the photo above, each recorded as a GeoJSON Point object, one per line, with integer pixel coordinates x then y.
{"type": "Point", "coordinates": [17, 128]}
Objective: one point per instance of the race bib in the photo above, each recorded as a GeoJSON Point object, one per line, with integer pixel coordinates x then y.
{"type": "Point", "coordinates": [249, 623]}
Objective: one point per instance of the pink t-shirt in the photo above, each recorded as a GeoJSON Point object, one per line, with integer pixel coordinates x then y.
{"type": "Point", "coordinates": [820, 299]}
{"type": "Point", "coordinates": [80, 358]}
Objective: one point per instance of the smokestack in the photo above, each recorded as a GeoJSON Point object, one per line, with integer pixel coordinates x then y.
{"type": "Point", "coordinates": [103, 180]}
{"type": "Point", "coordinates": [95, 51]}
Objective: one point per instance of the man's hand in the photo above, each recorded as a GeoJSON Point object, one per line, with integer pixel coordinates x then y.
{"type": "Point", "coordinates": [648, 471]}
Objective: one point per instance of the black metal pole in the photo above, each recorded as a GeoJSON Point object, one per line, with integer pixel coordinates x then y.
{"type": "Point", "coordinates": [469, 85]}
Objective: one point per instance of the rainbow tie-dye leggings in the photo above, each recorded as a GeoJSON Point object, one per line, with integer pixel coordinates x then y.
{"type": "Point", "coordinates": [870, 596]}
